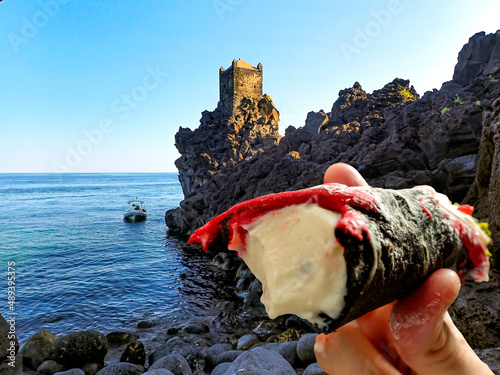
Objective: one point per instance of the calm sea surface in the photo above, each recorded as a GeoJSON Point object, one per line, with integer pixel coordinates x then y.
{"type": "Point", "coordinates": [78, 265]}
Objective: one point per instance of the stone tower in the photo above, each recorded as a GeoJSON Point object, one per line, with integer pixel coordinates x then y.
{"type": "Point", "coordinates": [240, 80]}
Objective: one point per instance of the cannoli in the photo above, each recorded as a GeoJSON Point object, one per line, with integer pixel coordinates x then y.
{"type": "Point", "coordinates": [332, 253]}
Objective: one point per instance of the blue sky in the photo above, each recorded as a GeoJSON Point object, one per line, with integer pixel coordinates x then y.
{"type": "Point", "coordinates": [95, 86]}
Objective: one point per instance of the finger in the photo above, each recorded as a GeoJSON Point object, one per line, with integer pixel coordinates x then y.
{"type": "Point", "coordinates": [348, 351]}
{"type": "Point", "coordinates": [375, 326]}
{"type": "Point", "coordinates": [344, 174]}
{"type": "Point", "coordinates": [424, 334]}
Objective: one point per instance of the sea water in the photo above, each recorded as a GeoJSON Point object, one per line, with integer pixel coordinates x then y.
{"type": "Point", "coordinates": [78, 265]}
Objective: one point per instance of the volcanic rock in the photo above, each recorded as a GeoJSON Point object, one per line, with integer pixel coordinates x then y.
{"type": "Point", "coordinates": [79, 348]}
{"type": "Point", "coordinates": [11, 362]}
{"type": "Point", "coordinates": [37, 349]}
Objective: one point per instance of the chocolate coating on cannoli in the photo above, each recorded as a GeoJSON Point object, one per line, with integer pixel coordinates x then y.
{"type": "Point", "coordinates": [392, 239]}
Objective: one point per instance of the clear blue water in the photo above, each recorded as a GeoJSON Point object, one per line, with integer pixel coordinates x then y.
{"type": "Point", "coordinates": [80, 266]}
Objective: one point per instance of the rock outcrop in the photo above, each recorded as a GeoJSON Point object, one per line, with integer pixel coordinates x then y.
{"type": "Point", "coordinates": [219, 143]}
{"type": "Point", "coordinates": [395, 138]}
{"type": "Point", "coordinates": [484, 193]}
{"type": "Point", "coordinates": [481, 56]}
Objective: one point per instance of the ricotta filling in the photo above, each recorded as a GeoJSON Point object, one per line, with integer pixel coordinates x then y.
{"type": "Point", "coordinates": [294, 253]}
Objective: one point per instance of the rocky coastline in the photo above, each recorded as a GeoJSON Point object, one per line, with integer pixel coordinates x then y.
{"type": "Point", "coordinates": [448, 138]}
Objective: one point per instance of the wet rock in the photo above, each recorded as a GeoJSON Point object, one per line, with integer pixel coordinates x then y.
{"type": "Point", "coordinates": [134, 353]}
{"type": "Point", "coordinates": [245, 279]}
{"type": "Point", "coordinates": [173, 362]}
{"type": "Point", "coordinates": [267, 328]}
{"type": "Point", "coordinates": [247, 341]}
{"type": "Point", "coordinates": [228, 356]}
{"type": "Point", "coordinates": [73, 371]}
{"type": "Point", "coordinates": [196, 328]}
{"type": "Point", "coordinates": [175, 345]}
{"type": "Point", "coordinates": [213, 352]}
{"type": "Point", "coordinates": [120, 368]}
{"type": "Point", "coordinates": [11, 362]}
{"type": "Point", "coordinates": [172, 330]}
{"type": "Point", "coordinates": [78, 348]}
{"type": "Point", "coordinates": [314, 369]}
{"type": "Point", "coordinates": [50, 367]}
{"type": "Point", "coordinates": [144, 324]}
{"type": "Point", "coordinates": [252, 302]}
{"type": "Point", "coordinates": [305, 348]}
{"type": "Point", "coordinates": [258, 361]}
{"type": "Point", "coordinates": [37, 348]}
{"type": "Point", "coordinates": [120, 338]}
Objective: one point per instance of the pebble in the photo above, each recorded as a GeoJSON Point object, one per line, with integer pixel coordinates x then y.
{"type": "Point", "coordinates": [228, 356]}
{"type": "Point", "coordinates": [73, 371]}
{"type": "Point", "coordinates": [196, 328]}
{"type": "Point", "coordinates": [287, 349]}
{"type": "Point", "coordinates": [120, 368]}
{"type": "Point", "coordinates": [314, 369]}
{"type": "Point", "coordinates": [134, 353]}
{"type": "Point", "coordinates": [92, 368]}
{"type": "Point", "coordinates": [212, 353]}
{"type": "Point", "coordinates": [159, 371]}
{"type": "Point", "coordinates": [50, 367]}
{"type": "Point", "coordinates": [143, 324]}
{"type": "Point", "coordinates": [173, 362]}
{"type": "Point", "coordinates": [37, 348]}
{"type": "Point", "coordinates": [259, 361]}
{"type": "Point", "coordinates": [221, 368]}
{"type": "Point", "coordinates": [172, 330]}
{"type": "Point", "coordinates": [305, 348]}
{"type": "Point", "coordinates": [247, 341]}
{"type": "Point", "coordinates": [175, 345]}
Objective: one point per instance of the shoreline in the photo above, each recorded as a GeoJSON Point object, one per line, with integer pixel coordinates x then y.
{"type": "Point", "coordinates": [233, 330]}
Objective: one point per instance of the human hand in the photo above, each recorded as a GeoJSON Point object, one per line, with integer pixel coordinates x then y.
{"type": "Point", "coordinates": [414, 335]}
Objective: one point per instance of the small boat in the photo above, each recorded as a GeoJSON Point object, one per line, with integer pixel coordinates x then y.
{"type": "Point", "coordinates": [136, 211]}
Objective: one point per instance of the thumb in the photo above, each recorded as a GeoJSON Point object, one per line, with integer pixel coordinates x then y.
{"type": "Point", "coordinates": [424, 334]}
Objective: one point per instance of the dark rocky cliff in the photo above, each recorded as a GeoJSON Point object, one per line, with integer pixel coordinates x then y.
{"type": "Point", "coordinates": [395, 138]}
{"type": "Point", "coordinates": [448, 138]}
